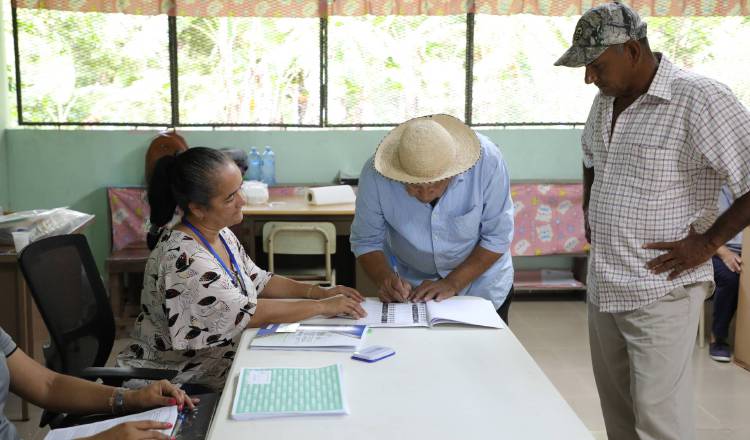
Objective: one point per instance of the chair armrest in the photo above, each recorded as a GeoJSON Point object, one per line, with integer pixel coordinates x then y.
{"type": "Point", "coordinates": [118, 375]}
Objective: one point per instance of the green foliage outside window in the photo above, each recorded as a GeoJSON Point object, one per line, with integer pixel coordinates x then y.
{"type": "Point", "coordinates": [114, 68]}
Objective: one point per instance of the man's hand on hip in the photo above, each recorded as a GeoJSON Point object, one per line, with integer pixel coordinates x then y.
{"type": "Point", "coordinates": [682, 255]}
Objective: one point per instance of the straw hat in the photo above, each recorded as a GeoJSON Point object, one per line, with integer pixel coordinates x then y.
{"type": "Point", "coordinates": [427, 149]}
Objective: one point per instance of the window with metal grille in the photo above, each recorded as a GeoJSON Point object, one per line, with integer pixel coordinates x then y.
{"type": "Point", "coordinates": [514, 79]}
{"type": "Point", "coordinates": [712, 46]}
{"type": "Point", "coordinates": [116, 69]}
{"type": "Point", "coordinates": [248, 71]}
{"type": "Point", "coordinates": [91, 68]}
{"type": "Point", "coordinates": [384, 70]}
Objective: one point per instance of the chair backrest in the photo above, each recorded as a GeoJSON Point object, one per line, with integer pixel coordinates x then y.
{"type": "Point", "coordinates": [548, 219]}
{"type": "Point", "coordinates": [300, 238]}
{"type": "Point", "coordinates": [128, 214]}
{"type": "Point", "coordinates": [69, 293]}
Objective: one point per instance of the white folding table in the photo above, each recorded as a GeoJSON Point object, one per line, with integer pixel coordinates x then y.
{"type": "Point", "coordinates": [443, 383]}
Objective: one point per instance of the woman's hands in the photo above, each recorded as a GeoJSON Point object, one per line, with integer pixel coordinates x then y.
{"type": "Point", "coordinates": [318, 292]}
{"type": "Point", "coordinates": [161, 393]}
{"type": "Point", "coordinates": [342, 305]}
{"type": "Point", "coordinates": [339, 300]}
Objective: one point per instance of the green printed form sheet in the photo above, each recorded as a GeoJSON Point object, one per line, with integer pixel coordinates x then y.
{"type": "Point", "coordinates": [268, 392]}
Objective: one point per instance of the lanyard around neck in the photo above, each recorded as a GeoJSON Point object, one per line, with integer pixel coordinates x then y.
{"type": "Point", "coordinates": [235, 280]}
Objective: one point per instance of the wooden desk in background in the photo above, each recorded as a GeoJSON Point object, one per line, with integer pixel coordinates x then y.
{"type": "Point", "coordinates": [294, 208]}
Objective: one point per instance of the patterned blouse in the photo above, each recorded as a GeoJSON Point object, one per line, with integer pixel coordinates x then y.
{"type": "Point", "coordinates": [192, 312]}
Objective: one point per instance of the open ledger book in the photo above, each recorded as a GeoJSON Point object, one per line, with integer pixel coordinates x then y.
{"type": "Point", "coordinates": [467, 310]}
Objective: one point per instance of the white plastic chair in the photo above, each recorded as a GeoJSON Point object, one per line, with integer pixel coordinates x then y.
{"type": "Point", "coordinates": [301, 238]}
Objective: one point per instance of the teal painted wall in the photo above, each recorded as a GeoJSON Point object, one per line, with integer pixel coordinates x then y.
{"type": "Point", "coordinates": [51, 168]}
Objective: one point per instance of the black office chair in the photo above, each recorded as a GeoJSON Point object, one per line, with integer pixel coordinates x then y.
{"type": "Point", "coordinates": [69, 293]}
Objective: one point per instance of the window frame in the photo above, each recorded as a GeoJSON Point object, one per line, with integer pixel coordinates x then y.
{"type": "Point", "coordinates": [323, 90]}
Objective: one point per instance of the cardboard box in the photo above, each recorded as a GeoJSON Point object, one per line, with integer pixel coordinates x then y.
{"type": "Point", "coordinates": [742, 323]}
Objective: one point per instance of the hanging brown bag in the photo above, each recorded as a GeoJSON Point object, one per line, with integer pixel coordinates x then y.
{"type": "Point", "coordinates": [167, 142]}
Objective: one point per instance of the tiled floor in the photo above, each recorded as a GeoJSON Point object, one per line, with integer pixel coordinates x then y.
{"type": "Point", "coordinates": [555, 333]}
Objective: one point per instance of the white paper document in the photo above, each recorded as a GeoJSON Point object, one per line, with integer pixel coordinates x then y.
{"type": "Point", "coordinates": [163, 414]}
{"type": "Point", "coordinates": [558, 278]}
{"type": "Point", "coordinates": [310, 337]}
{"type": "Point", "coordinates": [467, 310]}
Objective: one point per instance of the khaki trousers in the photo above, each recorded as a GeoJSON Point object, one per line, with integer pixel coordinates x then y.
{"type": "Point", "coordinates": [642, 366]}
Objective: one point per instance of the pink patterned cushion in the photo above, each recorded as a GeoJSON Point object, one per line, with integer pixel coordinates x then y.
{"type": "Point", "coordinates": [130, 211]}
{"type": "Point", "coordinates": [548, 219]}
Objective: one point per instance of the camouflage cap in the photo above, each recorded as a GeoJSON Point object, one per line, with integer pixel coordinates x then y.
{"type": "Point", "coordinates": [599, 28]}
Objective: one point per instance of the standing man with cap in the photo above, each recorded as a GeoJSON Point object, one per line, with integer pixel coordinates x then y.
{"type": "Point", "coordinates": [434, 216]}
{"type": "Point", "coordinates": [658, 144]}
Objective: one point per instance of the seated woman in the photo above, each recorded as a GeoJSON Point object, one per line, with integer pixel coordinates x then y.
{"type": "Point", "coordinates": [200, 288]}
{"type": "Point", "coordinates": [47, 389]}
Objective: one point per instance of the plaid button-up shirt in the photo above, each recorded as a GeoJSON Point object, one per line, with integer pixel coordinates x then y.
{"type": "Point", "coordinates": [660, 173]}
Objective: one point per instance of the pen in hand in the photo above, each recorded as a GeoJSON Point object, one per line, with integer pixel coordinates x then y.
{"type": "Point", "coordinates": [181, 415]}
{"type": "Point", "coordinates": [394, 265]}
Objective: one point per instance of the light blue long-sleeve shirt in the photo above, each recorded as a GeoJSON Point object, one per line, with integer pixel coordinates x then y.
{"type": "Point", "coordinates": [429, 243]}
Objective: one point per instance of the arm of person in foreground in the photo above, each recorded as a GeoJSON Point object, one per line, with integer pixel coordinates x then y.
{"type": "Point", "coordinates": [367, 238]}
{"type": "Point", "coordinates": [47, 389]}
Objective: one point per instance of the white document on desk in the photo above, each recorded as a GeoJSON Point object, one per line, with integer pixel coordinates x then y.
{"type": "Point", "coordinates": [467, 310]}
{"type": "Point", "coordinates": [558, 278]}
{"type": "Point", "coordinates": [163, 414]}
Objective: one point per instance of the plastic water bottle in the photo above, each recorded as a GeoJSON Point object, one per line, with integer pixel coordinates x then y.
{"type": "Point", "coordinates": [268, 167]}
{"type": "Point", "coordinates": [253, 165]}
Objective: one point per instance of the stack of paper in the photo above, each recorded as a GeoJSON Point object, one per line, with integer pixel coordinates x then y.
{"type": "Point", "coordinates": [273, 392]}
{"type": "Point", "coordinates": [164, 414]}
{"type": "Point", "coordinates": [309, 337]}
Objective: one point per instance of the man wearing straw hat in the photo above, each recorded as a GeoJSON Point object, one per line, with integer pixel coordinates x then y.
{"type": "Point", "coordinates": [658, 145]}
{"type": "Point", "coordinates": [434, 216]}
